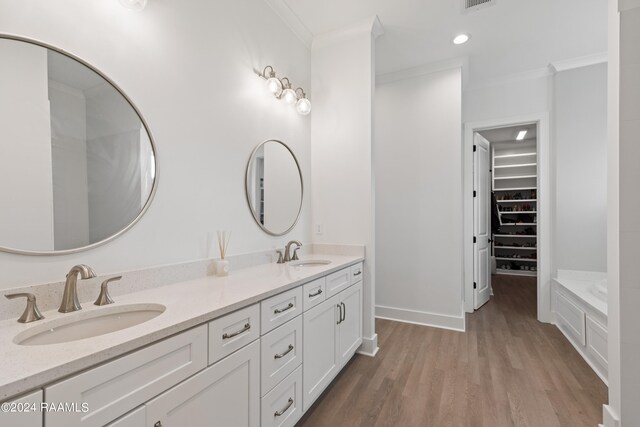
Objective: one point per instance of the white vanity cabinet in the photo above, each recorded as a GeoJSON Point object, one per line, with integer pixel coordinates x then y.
{"type": "Point", "coordinates": [332, 334]}
{"type": "Point", "coordinates": [23, 412]}
{"type": "Point", "coordinates": [225, 394]}
{"type": "Point", "coordinates": [115, 388]}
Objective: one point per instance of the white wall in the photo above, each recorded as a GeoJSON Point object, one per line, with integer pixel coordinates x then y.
{"type": "Point", "coordinates": [26, 216]}
{"type": "Point", "coordinates": [341, 137]}
{"type": "Point", "coordinates": [580, 151]}
{"type": "Point", "coordinates": [418, 163]}
{"type": "Point", "coordinates": [190, 68]}
{"type": "Point", "coordinates": [624, 210]}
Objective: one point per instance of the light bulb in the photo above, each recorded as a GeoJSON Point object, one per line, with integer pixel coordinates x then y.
{"type": "Point", "coordinates": [274, 85]}
{"type": "Point", "coordinates": [136, 5]}
{"type": "Point", "coordinates": [303, 106]}
{"type": "Point", "coordinates": [289, 96]}
{"type": "Point", "coordinates": [461, 39]}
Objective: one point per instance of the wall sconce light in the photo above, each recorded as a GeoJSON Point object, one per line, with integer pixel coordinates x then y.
{"type": "Point", "coordinates": [136, 5]}
{"type": "Point", "coordinates": [281, 89]}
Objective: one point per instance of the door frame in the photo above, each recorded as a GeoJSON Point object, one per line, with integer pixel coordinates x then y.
{"type": "Point", "coordinates": [544, 206]}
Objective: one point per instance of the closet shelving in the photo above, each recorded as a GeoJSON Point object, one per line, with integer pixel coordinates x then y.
{"type": "Point", "coordinates": [514, 176]}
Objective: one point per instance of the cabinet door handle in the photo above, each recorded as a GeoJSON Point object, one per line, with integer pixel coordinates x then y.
{"type": "Point", "coordinates": [158, 424]}
{"type": "Point", "coordinates": [233, 334]}
{"type": "Point", "coordinates": [357, 273]}
{"type": "Point", "coordinates": [278, 413]}
{"type": "Point", "coordinates": [282, 310]}
{"type": "Point", "coordinates": [340, 317]}
{"type": "Point", "coordinates": [344, 312]}
{"type": "Point", "coordinates": [316, 294]}
{"type": "Point", "coordinates": [287, 351]}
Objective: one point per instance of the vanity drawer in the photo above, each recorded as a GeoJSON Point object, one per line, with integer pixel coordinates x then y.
{"type": "Point", "coordinates": [282, 407]}
{"type": "Point", "coordinates": [357, 271]}
{"type": "Point", "coordinates": [117, 387]}
{"type": "Point", "coordinates": [281, 308]}
{"type": "Point", "coordinates": [338, 281]}
{"type": "Point", "coordinates": [313, 293]}
{"type": "Point", "coordinates": [281, 353]}
{"type": "Point", "coordinates": [233, 331]}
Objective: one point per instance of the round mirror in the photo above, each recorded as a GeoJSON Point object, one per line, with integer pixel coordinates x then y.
{"type": "Point", "coordinates": [274, 187]}
{"type": "Point", "coordinates": [78, 165]}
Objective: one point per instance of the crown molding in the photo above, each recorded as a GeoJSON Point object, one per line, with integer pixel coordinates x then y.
{"type": "Point", "coordinates": [422, 70]}
{"type": "Point", "coordinates": [288, 16]}
{"type": "Point", "coordinates": [371, 25]}
{"type": "Point", "coordinates": [534, 74]}
{"type": "Point", "coordinates": [582, 61]}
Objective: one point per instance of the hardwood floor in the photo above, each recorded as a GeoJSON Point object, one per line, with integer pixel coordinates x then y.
{"type": "Point", "coordinates": [506, 370]}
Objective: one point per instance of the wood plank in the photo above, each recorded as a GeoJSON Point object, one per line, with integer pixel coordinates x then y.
{"type": "Point", "coordinates": [507, 369]}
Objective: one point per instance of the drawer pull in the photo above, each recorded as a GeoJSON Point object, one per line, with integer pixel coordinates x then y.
{"type": "Point", "coordinates": [279, 413]}
{"type": "Point", "coordinates": [344, 312]}
{"type": "Point", "coordinates": [158, 424]}
{"type": "Point", "coordinates": [287, 351]}
{"type": "Point", "coordinates": [282, 310]}
{"type": "Point", "coordinates": [231, 335]}
{"type": "Point", "coordinates": [316, 294]}
{"type": "Point", "coordinates": [357, 273]}
{"type": "Point", "coordinates": [340, 315]}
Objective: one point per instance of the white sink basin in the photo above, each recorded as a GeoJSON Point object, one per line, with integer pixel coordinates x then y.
{"type": "Point", "coordinates": [87, 324]}
{"type": "Point", "coordinates": [310, 262]}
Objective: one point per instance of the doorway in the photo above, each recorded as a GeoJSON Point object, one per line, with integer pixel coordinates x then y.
{"type": "Point", "coordinates": [515, 192]}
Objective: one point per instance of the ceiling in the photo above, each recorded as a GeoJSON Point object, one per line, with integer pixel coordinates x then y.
{"type": "Point", "coordinates": [508, 134]}
{"type": "Point", "coordinates": [512, 36]}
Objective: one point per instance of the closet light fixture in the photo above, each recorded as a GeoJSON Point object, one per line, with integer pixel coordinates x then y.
{"type": "Point", "coordinates": [281, 89]}
{"type": "Point", "coordinates": [521, 135]}
{"type": "Point", "coordinates": [461, 39]}
{"type": "Point", "coordinates": [136, 5]}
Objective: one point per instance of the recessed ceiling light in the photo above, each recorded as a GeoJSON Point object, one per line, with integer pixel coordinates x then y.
{"type": "Point", "coordinates": [461, 39]}
{"type": "Point", "coordinates": [521, 135]}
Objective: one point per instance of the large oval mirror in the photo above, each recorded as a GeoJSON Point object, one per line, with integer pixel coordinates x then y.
{"type": "Point", "coordinates": [274, 187]}
{"type": "Point", "coordinates": [77, 161]}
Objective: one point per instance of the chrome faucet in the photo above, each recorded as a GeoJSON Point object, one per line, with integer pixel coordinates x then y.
{"type": "Point", "coordinates": [287, 250]}
{"type": "Point", "coordinates": [70, 297]}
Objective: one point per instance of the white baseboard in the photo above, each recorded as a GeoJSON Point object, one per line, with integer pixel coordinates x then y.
{"type": "Point", "coordinates": [369, 346]}
{"type": "Point", "coordinates": [421, 318]}
{"type": "Point", "coordinates": [609, 417]}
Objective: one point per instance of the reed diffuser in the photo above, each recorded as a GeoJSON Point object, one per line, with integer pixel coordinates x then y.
{"type": "Point", "coordinates": [222, 265]}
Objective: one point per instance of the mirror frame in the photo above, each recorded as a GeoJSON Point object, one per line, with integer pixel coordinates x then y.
{"type": "Point", "coordinates": [142, 120]}
{"type": "Point", "coordinates": [247, 186]}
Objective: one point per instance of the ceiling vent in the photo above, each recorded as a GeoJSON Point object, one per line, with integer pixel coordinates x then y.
{"type": "Point", "coordinates": [473, 5]}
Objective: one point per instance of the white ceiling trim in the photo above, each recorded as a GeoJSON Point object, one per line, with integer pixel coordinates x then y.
{"type": "Point", "coordinates": [538, 73]}
{"type": "Point", "coordinates": [371, 25]}
{"type": "Point", "coordinates": [282, 9]}
{"type": "Point", "coordinates": [421, 70]}
{"type": "Point", "coordinates": [624, 5]}
{"type": "Point", "coordinates": [583, 61]}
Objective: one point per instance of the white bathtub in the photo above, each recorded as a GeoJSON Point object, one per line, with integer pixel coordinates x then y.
{"type": "Point", "coordinates": [579, 305]}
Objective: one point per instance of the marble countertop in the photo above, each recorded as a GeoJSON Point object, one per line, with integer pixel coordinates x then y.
{"type": "Point", "coordinates": [188, 304]}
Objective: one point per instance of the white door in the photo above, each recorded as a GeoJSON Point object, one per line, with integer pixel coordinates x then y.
{"type": "Point", "coordinates": [225, 394]}
{"type": "Point", "coordinates": [320, 362]}
{"type": "Point", "coordinates": [481, 221]}
{"type": "Point", "coordinates": [350, 327]}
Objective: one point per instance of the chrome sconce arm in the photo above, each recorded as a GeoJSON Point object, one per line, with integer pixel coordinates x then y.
{"type": "Point", "coordinates": [282, 89]}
